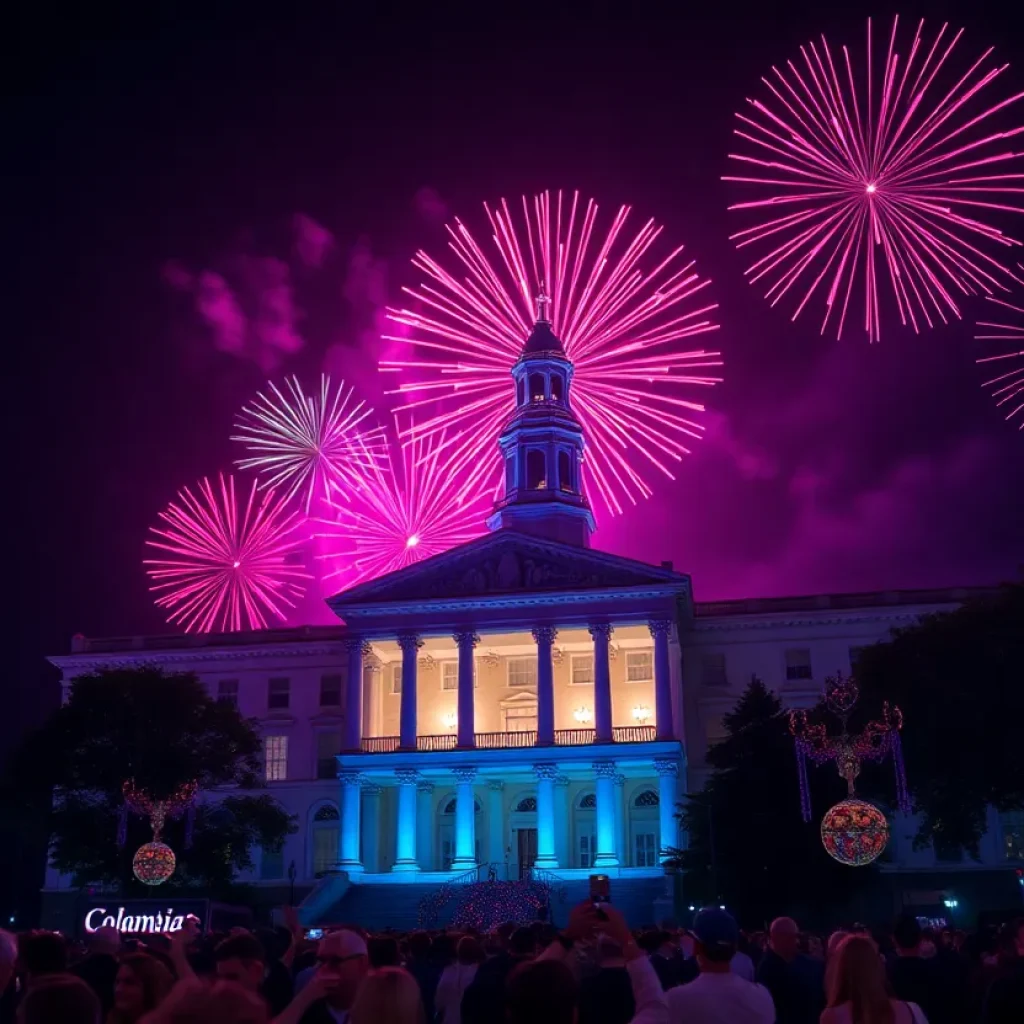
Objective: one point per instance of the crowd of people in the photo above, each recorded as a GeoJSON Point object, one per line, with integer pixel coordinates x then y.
{"type": "Point", "coordinates": [595, 971]}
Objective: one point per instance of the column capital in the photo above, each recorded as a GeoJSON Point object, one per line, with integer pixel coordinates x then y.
{"type": "Point", "coordinates": [350, 778]}
{"type": "Point", "coordinates": [466, 637]}
{"type": "Point", "coordinates": [410, 642]}
{"type": "Point", "coordinates": [544, 634]}
{"type": "Point", "coordinates": [601, 630]}
{"type": "Point", "coordinates": [664, 766]}
{"type": "Point", "coordinates": [356, 643]}
{"type": "Point", "coordinates": [407, 776]}
{"type": "Point", "coordinates": [605, 769]}
{"type": "Point", "coordinates": [659, 627]}
{"type": "Point", "coordinates": [619, 780]}
{"type": "Point", "coordinates": [496, 785]}
{"type": "Point", "coordinates": [546, 772]}
{"type": "Point", "coordinates": [372, 789]}
{"type": "Point", "coordinates": [465, 773]}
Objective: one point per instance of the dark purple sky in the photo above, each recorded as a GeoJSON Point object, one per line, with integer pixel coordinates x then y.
{"type": "Point", "coordinates": [133, 167]}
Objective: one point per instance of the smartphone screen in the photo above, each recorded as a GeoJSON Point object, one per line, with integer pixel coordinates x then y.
{"type": "Point", "coordinates": [314, 933]}
{"type": "Point", "coordinates": [600, 889]}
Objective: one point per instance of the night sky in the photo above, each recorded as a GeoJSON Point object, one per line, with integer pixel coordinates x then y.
{"type": "Point", "coordinates": [207, 143]}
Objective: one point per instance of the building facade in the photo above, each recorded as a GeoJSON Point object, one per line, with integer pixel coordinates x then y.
{"type": "Point", "coordinates": [522, 702]}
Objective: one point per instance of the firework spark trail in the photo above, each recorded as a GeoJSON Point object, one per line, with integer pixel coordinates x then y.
{"type": "Point", "coordinates": [1007, 386]}
{"type": "Point", "coordinates": [863, 179]}
{"type": "Point", "coordinates": [622, 327]}
{"type": "Point", "coordinates": [400, 511]}
{"type": "Point", "coordinates": [307, 442]}
{"type": "Point", "coordinates": [226, 566]}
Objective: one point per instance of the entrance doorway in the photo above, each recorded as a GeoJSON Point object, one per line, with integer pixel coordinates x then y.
{"type": "Point", "coordinates": [526, 845]}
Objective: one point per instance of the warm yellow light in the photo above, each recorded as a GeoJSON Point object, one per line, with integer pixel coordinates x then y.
{"type": "Point", "coordinates": [641, 712]}
{"type": "Point", "coordinates": [583, 715]}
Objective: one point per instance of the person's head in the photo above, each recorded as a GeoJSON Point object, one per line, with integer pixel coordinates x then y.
{"type": "Point", "coordinates": [716, 935]}
{"type": "Point", "coordinates": [383, 951]}
{"type": "Point", "coordinates": [344, 962]}
{"type": "Point", "coordinates": [833, 943]}
{"type": "Point", "coordinates": [141, 983]}
{"type": "Point", "coordinates": [105, 941]}
{"type": "Point", "coordinates": [906, 935]}
{"type": "Point", "coordinates": [443, 949]}
{"type": "Point", "coordinates": [521, 943]}
{"type": "Point", "coordinates": [469, 950]}
{"type": "Point", "coordinates": [541, 992]}
{"type": "Point", "coordinates": [60, 997]}
{"type": "Point", "coordinates": [784, 937]}
{"type": "Point", "coordinates": [389, 994]}
{"type": "Point", "coordinates": [241, 958]}
{"type": "Point", "coordinates": [420, 945]}
{"type": "Point", "coordinates": [858, 978]}
{"type": "Point", "coordinates": [42, 953]}
{"type": "Point", "coordinates": [199, 1002]}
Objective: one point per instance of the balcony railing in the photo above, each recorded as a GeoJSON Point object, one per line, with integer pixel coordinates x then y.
{"type": "Point", "coordinates": [511, 740]}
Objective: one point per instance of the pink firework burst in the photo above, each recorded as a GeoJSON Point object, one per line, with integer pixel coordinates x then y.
{"type": "Point", "coordinates": [624, 314]}
{"type": "Point", "coordinates": [1007, 336]}
{"type": "Point", "coordinates": [880, 175]}
{"type": "Point", "coordinates": [223, 566]}
{"type": "Point", "coordinates": [303, 443]}
{"type": "Point", "coordinates": [400, 510]}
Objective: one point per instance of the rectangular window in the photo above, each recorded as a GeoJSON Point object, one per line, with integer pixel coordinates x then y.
{"type": "Point", "coordinates": [330, 691]}
{"type": "Point", "coordinates": [449, 675]}
{"type": "Point", "coordinates": [521, 719]}
{"type": "Point", "coordinates": [588, 851]}
{"type": "Point", "coordinates": [1011, 824]}
{"type": "Point", "coordinates": [227, 691]}
{"type": "Point", "coordinates": [645, 854]}
{"type": "Point", "coordinates": [325, 847]}
{"type": "Point", "coordinates": [522, 672]}
{"type": "Point", "coordinates": [328, 745]}
{"type": "Point", "coordinates": [798, 664]}
{"type": "Point", "coordinates": [396, 678]}
{"type": "Point", "coordinates": [639, 666]}
{"type": "Point", "coordinates": [582, 670]}
{"type": "Point", "coordinates": [278, 693]}
{"type": "Point", "coordinates": [712, 670]}
{"type": "Point", "coordinates": [271, 865]}
{"type": "Point", "coordinates": [275, 757]}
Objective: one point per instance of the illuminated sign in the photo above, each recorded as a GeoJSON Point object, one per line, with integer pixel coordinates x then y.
{"type": "Point", "coordinates": [138, 919]}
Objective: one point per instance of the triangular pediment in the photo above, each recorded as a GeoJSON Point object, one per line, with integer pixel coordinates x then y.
{"type": "Point", "coordinates": [508, 563]}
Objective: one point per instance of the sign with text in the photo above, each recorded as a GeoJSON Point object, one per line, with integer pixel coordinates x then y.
{"type": "Point", "coordinates": [143, 917]}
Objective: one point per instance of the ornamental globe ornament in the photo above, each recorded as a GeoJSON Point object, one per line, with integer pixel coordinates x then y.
{"type": "Point", "coordinates": [854, 832]}
{"type": "Point", "coordinates": [154, 863]}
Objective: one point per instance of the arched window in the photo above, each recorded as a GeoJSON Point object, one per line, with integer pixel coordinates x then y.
{"type": "Point", "coordinates": [537, 387]}
{"type": "Point", "coordinates": [528, 803]}
{"type": "Point", "coordinates": [556, 387]}
{"type": "Point", "coordinates": [521, 390]}
{"type": "Point", "coordinates": [536, 476]}
{"type": "Point", "coordinates": [648, 798]}
{"type": "Point", "coordinates": [588, 802]}
{"type": "Point", "coordinates": [565, 472]}
{"type": "Point", "coordinates": [324, 839]}
{"type": "Point", "coordinates": [449, 808]}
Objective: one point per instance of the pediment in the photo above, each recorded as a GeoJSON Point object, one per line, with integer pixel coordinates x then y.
{"type": "Point", "coordinates": [508, 563]}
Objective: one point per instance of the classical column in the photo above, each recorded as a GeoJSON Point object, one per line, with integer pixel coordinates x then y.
{"type": "Point", "coordinates": [545, 637]}
{"type": "Point", "coordinates": [668, 772]}
{"type": "Point", "coordinates": [546, 775]}
{"type": "Point", "coordinates": [601, 632]}
{"type": "Point", "coordinates": [371, 827]}
{"type": "Point", "coordinates": [465, 820]}
{"type": "Point", "coordinates": [425, 825]}
{"type": "Point", "coordinates": [467, 641]}
{"type": "Point", "coordinates": [405, 833]}
{"type": "Point", "coordinates": [349, 845]}
{"type": "Point", "coordinates": [620, 819]}
{"type": "Point", "coordinates": [562, 821]}
{"type": "Point", "coordinates": [662, 679]}
{"type": "Point", "coordinates": [496, 822]}
{"type": "Point", "coordinates": [605, 772]}
{"type": "Point", "coordinates": [357, 649]}
{"type": "Point", "coordinates": [410, 644]}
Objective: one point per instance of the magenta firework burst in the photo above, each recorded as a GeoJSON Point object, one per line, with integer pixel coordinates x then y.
{"type": "Point", "coordinates": [224, 565]}
{"type": "Point", "coordinates": [880, 173]}
{"type": "Point", "coordinates": [1004, 334]}
{"type": "Point", "coordinates": [400, 510]}
{"type": "Point", "coordinates": [301, 442]}
{"type": "Point", "coordinates": [624, 308]}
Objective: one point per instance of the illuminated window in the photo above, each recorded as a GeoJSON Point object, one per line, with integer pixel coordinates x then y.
{"type": "Point", "coordinates": [449, 675]}
{"type": "Point", "coordinates": [556, 386]}
{"type": "Point", "coordinates": [396, 678]}
{"type": "Point", "coordinates": [639, 666]}
{"type": "Point", "coordinates": [582, 671]}
{"type": "Point", "coordinates": [565, 472]}
{"type": "Point", "coordinates": [712, 670]}
{"type": "Point", "coordinates": [275, 757]}
{"type": "Point", "coordinates": [278, 693]}
{"type": "Point", "coordinates": [522, 672]}
{"type": "Point", "coordinates": [227, 691]}
{"type": "Point", "coordinates": [330, 691]}
{"type": "Point", "coordinates": [328, 745]}
{"type": "Point", "coordinates": [536, 475]}
{"type": "Point", "coordinates": [536, 387]}
{"type": "Point", "coordinates": [798, 664]}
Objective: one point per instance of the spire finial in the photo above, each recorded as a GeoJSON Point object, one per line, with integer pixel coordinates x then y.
{"type": "Point", "coordinates": [543, 304]}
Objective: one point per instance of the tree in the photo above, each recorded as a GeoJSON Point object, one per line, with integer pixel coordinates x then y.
{"type": "Point", "coordinates": [957, 678]}
{"type": "Point", "coordinates": [162, 730]}
{"type": "Point", "coordinates": [748, 844]}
